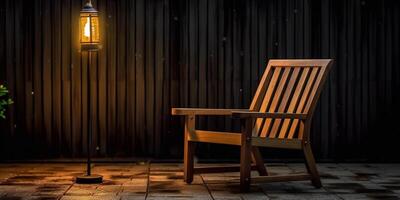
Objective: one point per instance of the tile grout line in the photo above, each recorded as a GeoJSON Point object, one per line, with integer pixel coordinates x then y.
{"type": "Point", "coordinates": [148, 179]}
{"type": "Point", "coordinates": [205, 185]}
{"type": "Point", "coordinates": [65, 192]}
{"type": "Point", "coordinates": [73, 183]}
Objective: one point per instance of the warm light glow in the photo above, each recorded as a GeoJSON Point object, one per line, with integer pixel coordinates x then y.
{"type": "Point", "coordinates": [89, 31]}
{"type": "Point", "coordinates": [87, 28]}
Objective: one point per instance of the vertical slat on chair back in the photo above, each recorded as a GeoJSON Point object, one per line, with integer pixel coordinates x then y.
{"type": "Point", "coordinates": [288, 86]}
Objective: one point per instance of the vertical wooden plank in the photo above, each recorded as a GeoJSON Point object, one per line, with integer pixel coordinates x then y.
{"type": "Point", "coordinates": [140, 75]}
{"type": "Point", "coordinates": [290, 46]}
{"type": "Point", "coordinates": [66, 65]}
{"type": "Point", "coordinates": [237, 56]}
{"type": "Point", "coordinates": [350, 72]}
{"type": "Point", "coordinates": [93, 99]}
{"type": "Point", "coordinates": [364, 77]}
{"type": "Point", "coordinates": [37, 77]}
{"type": "Point", "coordinates": [46, 73]}
{"type": "Point", "coordinates": [120, 133]}
{"type": "Point", "coordinates": [183, 83]}
{"type": "Point", "coordinates": [102, 78]}
{"type": "Point", "coordinates": [228, 59]}
{"type": "Point", "coordinates": [202, 14]}
{"type": "Point", "coordinates": [388, 57]}
{"type": "Point", "coordinates": [19, 75]}
{"type": "Point", "coordinates": [308, 28]}
{"type": "Point", "coordinates": [322, 117]}
{"type": "Point", "coordinates": [331, 138]}
{"type": "Point", "coordinates": [254, 49]}
{"type": "Point", "coordinates": [213, 40]}
{"type": "Point", "coordinates": [396, 60]}
{"type": "Point", "coordinates": [3, 39]}
{"type": "Point", "coordinates": [28, 69]}
{"type": "Point", "coordinates": [80, 138]}
{"type": "Point", "coordinates": [299, 27]}
{"type": "Point", "coordinates": [78, 83]}
{"type": "Point", "coordinates": [271, 26]}
{"type": "Point", "coordinates": [3, 68]}
{"type": "Point", "coordinates": [193, 48]}
{"type": "Point", "coordinates": [56, 76]}
{"type": "Point", "coordinates": [149, 79]}
{"type": "Point", "coordinates": [342, 81]}
{"type": "Point", "coordinates": [10, 73]}
{"type": "Point", "coordinates": [221, 43]}
{"type": "Point", "coordinates": [111, 76]}
{"type": "Point", "coordinates": [245, 73]}
{"type": "Point", "coordinates": [177, 66]}
{"type": "Point", "coordinates": [281, 31]}
{"type": "Point", "coordinates": [169, 36]}
{"type": "Point", "coordinates": [131, 78]}
{"type": "Point", "coordinates": [159, 62]}
{"type": "Point", "coordinates": [262, 56]}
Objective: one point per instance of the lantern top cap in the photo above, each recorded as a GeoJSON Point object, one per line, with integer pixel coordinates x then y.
{"type": "Point", "coordinates": [88, 7]}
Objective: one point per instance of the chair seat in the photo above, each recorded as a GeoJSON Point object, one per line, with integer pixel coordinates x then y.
{"type": "Point", "coordinates": [231, 138]}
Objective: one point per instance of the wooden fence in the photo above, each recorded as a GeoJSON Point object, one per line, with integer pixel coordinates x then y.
{"type": "Point", "coordinates": [159, 54]}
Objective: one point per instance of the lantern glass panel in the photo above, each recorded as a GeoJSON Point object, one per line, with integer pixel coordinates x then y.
{"type": "Point", "coordinates": [85, 29]}
{"type": "Point", "coordinates": [89, 28]}
{"type": "Point", "coordinates": [95, 29]}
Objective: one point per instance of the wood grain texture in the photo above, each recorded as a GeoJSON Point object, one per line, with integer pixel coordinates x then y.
{"type": "Point", "coordinates": [159, 54]}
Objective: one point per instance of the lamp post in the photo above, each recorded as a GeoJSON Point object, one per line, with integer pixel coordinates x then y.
{"type": "Point", "coordinates": [90, 42]}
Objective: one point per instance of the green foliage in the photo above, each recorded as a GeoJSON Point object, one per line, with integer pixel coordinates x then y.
{"type": "Point", "coordinates": [4, 101]}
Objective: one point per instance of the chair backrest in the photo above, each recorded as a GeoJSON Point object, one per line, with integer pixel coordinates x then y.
{"type": "Point", "coordinates": [288, 86]}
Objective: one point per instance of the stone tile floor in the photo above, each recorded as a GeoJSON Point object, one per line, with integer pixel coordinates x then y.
{"type": "Point", "coordinates": [164, 181]}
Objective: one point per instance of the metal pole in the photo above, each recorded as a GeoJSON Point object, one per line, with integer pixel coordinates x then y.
{"type": "Point", "coordinates": [89, 178]}
{"type": "Point", "coordinates": [89, 138]}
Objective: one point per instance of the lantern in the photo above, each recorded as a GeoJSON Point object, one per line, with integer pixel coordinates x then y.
{"type": "Point", "coordinates": [90, 41]}
{"type": "Point", "coordinates": [89, 28]}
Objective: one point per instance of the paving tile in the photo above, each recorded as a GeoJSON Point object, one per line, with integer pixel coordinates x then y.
{"type": "Point", "coordinates": [50, 190]}
{"type": "Point", "coordinates": [90, 198]}
{"type": "Point", "coordinates": [232, 191]}
{"type": "Point", "coordinates": [301, 196]}
{"type": "Point", "coordinates": [177, 189]}
{"type": "Point", "coordinates": [129, 181]}
{"type": "Point", "coordinates": [177, 198]}
{"type": "Point", "coordinates": [134, 197]}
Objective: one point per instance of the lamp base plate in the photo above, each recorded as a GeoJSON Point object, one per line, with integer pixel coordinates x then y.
{"type": "Point", "coordinates": [92, 179]}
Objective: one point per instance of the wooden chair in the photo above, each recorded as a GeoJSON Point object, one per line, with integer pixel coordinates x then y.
{"type": "Point", "coordinates": [279, 117]}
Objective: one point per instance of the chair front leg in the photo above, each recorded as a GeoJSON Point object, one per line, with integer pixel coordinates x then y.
{"type": "Point", "coordinates": [258, 160]}
{"type": "Point", "coordinates": [188, 160]}
{"type": "Point", "coordinates": [311, 166]}
{"type": "Point", "coordinates": [245, 155]}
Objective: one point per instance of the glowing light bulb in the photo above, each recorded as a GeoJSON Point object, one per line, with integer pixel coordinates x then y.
{"type": "Point", "coordinates": [87, 28]}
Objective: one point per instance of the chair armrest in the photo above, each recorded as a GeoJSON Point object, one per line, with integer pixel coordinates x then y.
{"type": "Point", "coordinates": [249, 114]}
{"type": "Point", "coordinates": [204, 111]}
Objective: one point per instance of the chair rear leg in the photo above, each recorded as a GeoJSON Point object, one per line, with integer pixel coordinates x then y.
{"type": "Point", "coordinates": [258, 160]}
{"type": "Point", "coordinates": [245, 168]}
{"type": "Point", "coordinates": [188, 160]}
{"type": "Point", "coordinates": [311, 166]}
{"type": "Point", "coordinates": [245, 155]}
